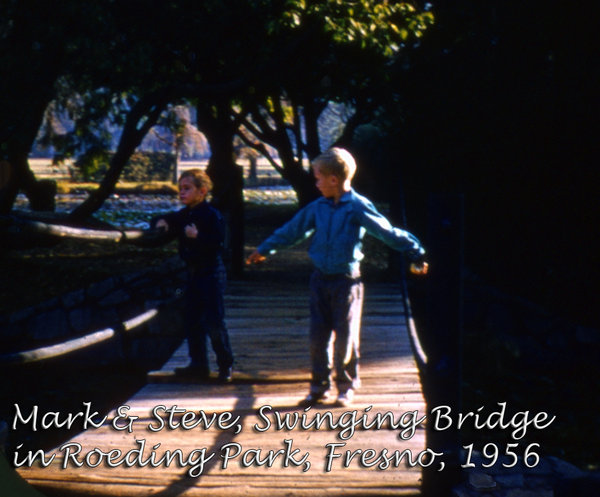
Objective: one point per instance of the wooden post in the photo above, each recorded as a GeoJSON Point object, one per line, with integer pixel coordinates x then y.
{"type": "Point", "coordinates": [442, 337]}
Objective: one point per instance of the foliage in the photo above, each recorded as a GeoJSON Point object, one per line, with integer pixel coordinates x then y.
{"type": "Point", "coordinates": [340, 53]}
{"type": "Point", "coordinates": [296, 55]}
{"type": "Point", "coordinates": [347, 47]}
{"type": "Point", "coordinates": [141, 167]}
{"type": "Point", "coordinates": [383, 26]}
{"type": "Point", "coordinates": [149, 166]}
{"type": "Point", "coordinates": [91, 165]}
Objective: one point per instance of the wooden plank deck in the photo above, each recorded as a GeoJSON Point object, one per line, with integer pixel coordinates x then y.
{"type": "Point", "coordinates": [268, 330]}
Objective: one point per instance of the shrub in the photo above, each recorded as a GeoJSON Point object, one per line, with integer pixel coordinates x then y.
{"type": "Point", "coordinates": [149, 166]}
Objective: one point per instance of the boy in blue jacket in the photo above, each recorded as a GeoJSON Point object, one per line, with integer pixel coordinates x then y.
{"type": "Point", "coordinates": [200, 230]}
{"type": "Point", "coordinates": [337, 222]}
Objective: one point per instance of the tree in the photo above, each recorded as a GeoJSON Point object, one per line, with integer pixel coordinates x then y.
{"type": "Point", "coordinates": [143, 115]}
{"type": "Point", "coordinates": [38, 42]}
{"type": "Point", "coordinates": [334, 51]}
{"type": "Point", "coordinates": [165, 61]}
{"type": "Point", "coordinates": [216, 124]}
{"type": "Point", "coordinates": [276, 76]}
{"type": "Point", "coordinates": [149, 51]}
{"type": "Point", "coordinates": [243, 151]}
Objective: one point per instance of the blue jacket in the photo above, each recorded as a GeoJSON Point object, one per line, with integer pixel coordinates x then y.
{"type": "Point", "coordinates": [338, 229]}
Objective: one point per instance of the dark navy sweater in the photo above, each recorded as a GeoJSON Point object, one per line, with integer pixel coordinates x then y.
{"type": "Point", "coordinates": [202, 253]}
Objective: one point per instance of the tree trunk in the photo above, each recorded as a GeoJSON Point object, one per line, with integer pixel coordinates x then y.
{"type": "Point", "coordinates": [10, 186]}
{"type": "Point", "coordinates": [277, 136]}
{"type": "Point", "coordinates": [18, 176]}
{"type": "Point", "coordinates": [312, 111]}
{"type": "Point", "coordinates": [253, 173]}
{"type": "Point", "coordinates": [227, 177]}
{"type": "Point", "coordinates": [19, 129]}
{"type": "Point", "coordinates": [302, 182]}
{"type": "Point", "coordinates": [175, 177]}
{"type": "Point", "coordinates": [32, 60]}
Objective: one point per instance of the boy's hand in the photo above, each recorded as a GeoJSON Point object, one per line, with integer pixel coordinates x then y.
{"type": "Point", "coordinates": [255, 258]}
{"type": "Point", "coordinates": [191, 231]}
{"type": "Point", "coordinates": [419, 268]}
{"type": "Point", "coordinates": [162, 224]}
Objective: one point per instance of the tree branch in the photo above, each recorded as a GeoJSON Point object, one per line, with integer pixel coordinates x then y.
{"type": "Point", "coordinates": [260, 147]}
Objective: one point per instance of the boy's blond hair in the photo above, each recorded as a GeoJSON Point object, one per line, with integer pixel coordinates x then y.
{"type": "Point", "coordinates": [337, 162]}
{"type": "Point", "coordinates": [199, 177]}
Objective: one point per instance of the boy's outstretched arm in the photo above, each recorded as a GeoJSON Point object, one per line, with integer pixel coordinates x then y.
{"type": "Point", "coordinates": [297, 229]}
{"type": "Point", "coordinates": [255, 258]}
{"type": "Point", "coordinates": [379, 226]}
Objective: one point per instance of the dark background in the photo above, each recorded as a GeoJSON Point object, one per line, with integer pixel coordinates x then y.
{"type": "Point", "coordinates": [500, 105]}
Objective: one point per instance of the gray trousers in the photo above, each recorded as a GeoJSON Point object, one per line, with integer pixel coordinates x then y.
{"type": "Point", "coordinates": [335, 315]}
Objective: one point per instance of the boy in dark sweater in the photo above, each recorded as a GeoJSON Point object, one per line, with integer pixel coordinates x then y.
{"type": "Point", "coordinates": [200, 230]}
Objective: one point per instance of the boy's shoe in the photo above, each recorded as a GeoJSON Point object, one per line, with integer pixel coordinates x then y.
{"type": "Point", "coordinates": [314, 398]}
{"type": "Point", "coordinates": [193, 371]}
{"type": "Point", "coordinates": [225, 375]}
{"type": "Point", "coordinates": [344, 399]}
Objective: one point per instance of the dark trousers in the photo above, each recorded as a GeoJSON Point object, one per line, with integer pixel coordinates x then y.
{"type": "Point", "coordinates": [204, 316]}
{"type": "Point", "coordinates": [335, 315]}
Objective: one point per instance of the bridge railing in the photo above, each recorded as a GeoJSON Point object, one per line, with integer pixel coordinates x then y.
{"type": "Point", "coordinates": [18, 227]}
{"type": "Point", "coordinates": [434, 319]}
{"type": "Point", "coordinates": [79, 343]}
{"type": "Point", "coordinates": [23, 228]}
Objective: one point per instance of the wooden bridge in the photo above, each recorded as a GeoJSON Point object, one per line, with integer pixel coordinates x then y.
{"type": "Point", "coordinates": [249, 454]}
